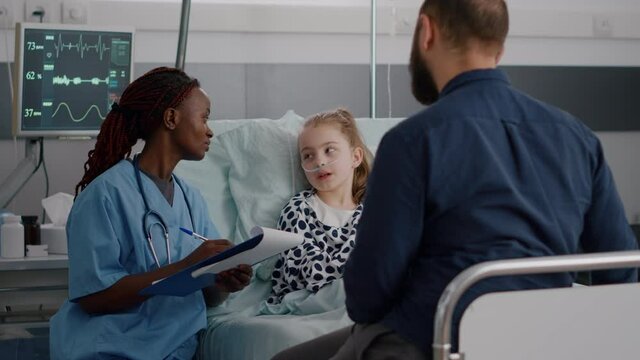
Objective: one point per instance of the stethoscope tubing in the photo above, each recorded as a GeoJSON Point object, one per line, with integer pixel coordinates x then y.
{"type": "Point", "coordinates": [149, 213]}
{"type": "Point", "coordinates": [150, 241]}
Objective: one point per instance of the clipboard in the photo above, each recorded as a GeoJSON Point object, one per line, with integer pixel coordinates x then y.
{"type": "Point", "coordinates": [264, 243]}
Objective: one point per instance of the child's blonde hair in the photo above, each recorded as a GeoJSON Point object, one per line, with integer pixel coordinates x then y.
{"type": "Point", "coordinates": [346, 123]}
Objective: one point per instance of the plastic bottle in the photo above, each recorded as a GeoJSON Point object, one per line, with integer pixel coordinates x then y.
{"type": "Point", "coordinates": [12, 235]}
{"type": "Point", "coordinates": [3, 213]}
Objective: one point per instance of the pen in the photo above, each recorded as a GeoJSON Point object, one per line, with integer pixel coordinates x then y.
{"type": "Point", "coordinates": [195, 235]}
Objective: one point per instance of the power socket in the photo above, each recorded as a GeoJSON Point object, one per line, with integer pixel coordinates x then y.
{"type": "Point", "coordinates": [405, 20]}
{"type": "Point", "coordinates": [34, 7]}
{"type": "Point", "coordinates": [602, 26]}
{"type": "Point", "coordinates": [405, 26]}
{"type": "Point", "coordinates": [74, 12]}
{"type": "Point", "coordinates": [7, 19]}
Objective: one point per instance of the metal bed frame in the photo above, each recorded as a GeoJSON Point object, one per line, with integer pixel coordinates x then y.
{"type": "Point", "coordinates": [539, 265]}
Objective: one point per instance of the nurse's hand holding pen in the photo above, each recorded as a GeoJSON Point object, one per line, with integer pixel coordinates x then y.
{"type": "Point", "coordinates": [231, 280]}
{"type": "Point", "coordinates": [228, 281]}
{"type": "Point", "coordinates": [207, 249]}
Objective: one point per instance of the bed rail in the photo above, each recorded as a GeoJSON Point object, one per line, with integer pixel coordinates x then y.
{"type": "Point", "coordinates": [538, 265]}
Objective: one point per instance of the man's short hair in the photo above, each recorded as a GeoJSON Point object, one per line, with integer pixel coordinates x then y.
{"type": "Point", "coordinates": [461, 21]}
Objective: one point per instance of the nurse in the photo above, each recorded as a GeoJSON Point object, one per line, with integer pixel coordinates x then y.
{"type": "Point", "coordinates": [123, 230]}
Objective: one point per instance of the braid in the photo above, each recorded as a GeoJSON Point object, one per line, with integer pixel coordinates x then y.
{"type": "Point", "coordinates": [114, 143]}
{"type": "Point", "coordinates": [136, 116]}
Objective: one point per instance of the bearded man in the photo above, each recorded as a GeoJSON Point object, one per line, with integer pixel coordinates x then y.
{"type": "Point", "coordinates": [484, 173]}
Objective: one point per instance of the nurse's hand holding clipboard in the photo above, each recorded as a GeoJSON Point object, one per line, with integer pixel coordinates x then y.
{"type": "Point", "coordinates": [228, 281]}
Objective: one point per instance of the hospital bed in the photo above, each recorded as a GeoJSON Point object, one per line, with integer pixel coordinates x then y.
{"type": "Point", "coordinates": [594, 322]}
{"type": "Point", "coordinates": [250, 172]}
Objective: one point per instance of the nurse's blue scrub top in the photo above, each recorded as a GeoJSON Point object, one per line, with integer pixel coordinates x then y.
{"type": "Point", "coordinates": [107, 242]}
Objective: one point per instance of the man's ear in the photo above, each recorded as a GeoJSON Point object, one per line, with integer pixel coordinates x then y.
{"type": "Point", "coordinates": [426, 35]}
{"type": "Point", "coordinates": [171, 118]}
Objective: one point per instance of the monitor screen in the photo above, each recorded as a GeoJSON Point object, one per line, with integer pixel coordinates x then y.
{"type": "Point", "coordinates": [67, 77]}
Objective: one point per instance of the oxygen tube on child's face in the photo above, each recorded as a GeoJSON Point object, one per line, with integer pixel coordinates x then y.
{"type": "Point", "coordinates": [319, 167]}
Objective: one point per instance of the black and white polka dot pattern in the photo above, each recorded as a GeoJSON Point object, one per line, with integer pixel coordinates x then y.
{"type": "Point", "coordinates": [320, 259]}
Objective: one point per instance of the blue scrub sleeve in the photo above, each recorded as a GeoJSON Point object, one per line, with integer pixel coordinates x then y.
{"type": "Point", "coordinates": [94, 248]}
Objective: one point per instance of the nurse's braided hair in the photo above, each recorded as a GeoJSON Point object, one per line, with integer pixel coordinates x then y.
{"type": "Point", "coordinates": [138, 113]}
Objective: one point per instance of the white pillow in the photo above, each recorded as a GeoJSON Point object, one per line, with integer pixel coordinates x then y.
{"type": "Point", "coordinates": [210, 176]}
{"type": "Point", "coordinates": [264, 170]}
{"type": "Point", "coordinates": [372, 130]}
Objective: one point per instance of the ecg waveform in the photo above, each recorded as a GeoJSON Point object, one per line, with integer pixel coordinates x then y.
{"type": "Point", "coordinates": [64, 80]}
{"type": "Point", "coordinates": [74, 119]}
{"type": "Point", "coordinates": [81, 47]}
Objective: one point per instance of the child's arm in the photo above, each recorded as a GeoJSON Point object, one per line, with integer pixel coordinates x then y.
{"type": "Point", "coordinates": [320, 267]}
{"type": "Point", "coordinates": [312, 264]}
{"type": "Point", "coordinates": [279, 286]}
{"type": "Point", "coordinates": [316, 262]}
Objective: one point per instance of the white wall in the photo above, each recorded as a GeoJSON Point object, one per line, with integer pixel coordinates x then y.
{"type": "Point", "coordinates": [622, 151]}
{"type": "Point", "coordinates": [543, 32]}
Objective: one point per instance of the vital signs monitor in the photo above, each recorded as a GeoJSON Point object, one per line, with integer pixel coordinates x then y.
{"type": "Point", "coordinates": [67, 77]}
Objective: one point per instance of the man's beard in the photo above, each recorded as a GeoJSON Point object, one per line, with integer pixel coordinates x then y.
{"type": "Point", "coordinates": [422, 84]}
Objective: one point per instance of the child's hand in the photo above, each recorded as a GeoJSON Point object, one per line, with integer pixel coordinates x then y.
{"type": "Point", "coordinates": [235, 279]}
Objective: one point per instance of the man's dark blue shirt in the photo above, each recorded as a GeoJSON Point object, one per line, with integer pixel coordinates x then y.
{"type": "Point", "coordinates": [485, 173]}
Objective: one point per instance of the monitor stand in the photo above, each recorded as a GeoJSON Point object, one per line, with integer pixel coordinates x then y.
{"type": "Point", "coordinates": [21, 174]}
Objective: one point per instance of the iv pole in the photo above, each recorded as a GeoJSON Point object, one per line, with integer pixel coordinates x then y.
{"type": "Point", "coordinates": [373, 60]}
{"type": "Point", "coordinates": [182, 36]}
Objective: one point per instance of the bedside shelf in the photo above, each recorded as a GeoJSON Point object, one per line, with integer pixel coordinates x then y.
{"type": "Point", "coordinates": [35, 263]}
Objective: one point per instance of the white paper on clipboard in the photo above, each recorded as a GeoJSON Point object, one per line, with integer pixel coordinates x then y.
{"type": "Point", "coordinates": [263, 244]}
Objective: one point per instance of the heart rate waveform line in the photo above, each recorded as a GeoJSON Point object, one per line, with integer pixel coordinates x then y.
{"type": "Point", "coordinates": [64, 80]}
{"type": "Point", "coordinates": [74, 119]}
{"type": "Point", "coordinates": [100, 48]}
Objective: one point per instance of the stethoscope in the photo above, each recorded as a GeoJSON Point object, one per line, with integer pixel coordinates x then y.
{"type": "Point", "coordinates": [147, 219]}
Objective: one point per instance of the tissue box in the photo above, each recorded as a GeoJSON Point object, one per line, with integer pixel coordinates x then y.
{"type": "Point", "coordinates": [55, 236]}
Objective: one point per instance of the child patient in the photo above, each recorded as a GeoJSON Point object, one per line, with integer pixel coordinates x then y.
{"type": "Point", "coordinates": [336, 163]}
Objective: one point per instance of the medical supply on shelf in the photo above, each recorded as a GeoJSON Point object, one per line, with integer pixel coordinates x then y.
{"type": "Point", "coordinates": [12, 235]}
{"type": "Point", "coordinates": [4, 213]}
{"type": "Point", "coordinates": [37, 250]}
{"type": "Point", "coordinates": [31, 230]}
{"type": "Point", "coordinates": [55, 236]}
{"type": "Point", "coordinates": [57, 207]}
